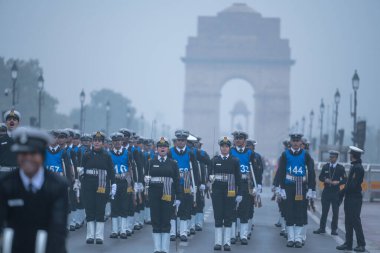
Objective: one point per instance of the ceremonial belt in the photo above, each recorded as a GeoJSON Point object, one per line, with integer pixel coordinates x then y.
{"type": "Point", "coordinates": [120, 176]}
{"type": "Point", "coordinates": [94, 172]}
{"type": "Point", "coordinates": [157, 179]}
{"type": "Point", "coordinates": [293, 178]}
{"type": "Point", "coordinates": [221, 177]}
{"type": "Point", "coordinates": [245, 176]}
{"type": "Point", "coordinates": [7, 169]}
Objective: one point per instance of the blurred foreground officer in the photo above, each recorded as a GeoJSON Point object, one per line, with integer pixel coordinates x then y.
{"type": "Point", "coordinates": [98, 172]}
{"type": "Point", "coordinates": [7, 157]}
{"type": "Point", "coordinates": [162, 181]}
{"type": "Point", "coordinates": [33, 199]}
{"type": "Point", "coordinates": [333, 176]}
{"type": "Point", "coordinates": [225, 177]}
{"type": "Point", "coordinates": [353, 199]}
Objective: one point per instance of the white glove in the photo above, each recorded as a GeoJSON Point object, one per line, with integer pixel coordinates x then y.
{"type": "Point", "coordinates": [211, 178]}
{"type": "Point", "coordinates": [314, 194]}
{"type": "Point", "coordinates": [278, 190]}
{"type": "Point", "coordinates": [273, 189]}
{"type": "Point", "coordinates": [147, 179]}
{"type": "Point", "coordinates": [136, 186]}
{"type": "Point", "coordinates": [141, 186]}
{"type": "Point", "coordinates": [283, 194]}
{"type": "Point", "coordinates": [76, 185]}
{"type": "Point", "coordinates": [238, 199]}
{"type": "Point", "coordinates": [80, 171]}
{"type": "Point", "coordinates": [309, 194]}
{"type": "Point", "coordinates": [202, 187]}
{"type": "Point", "coordinates": [259, 189]}
{"type": "Point", "coordinates": [113, 190]}
{"type": "Point", "coordinates": [193, 190]}
{"type": "Point", "coordinates": [177, 203]}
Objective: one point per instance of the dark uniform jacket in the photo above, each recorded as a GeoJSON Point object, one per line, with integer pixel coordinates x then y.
{"type": "Point", "coordinates": [27, 212]}
{"type": "Point", "coordinates": [7, 158]}
{"type": "Point", "coordinates": [229, 166]}
{"type": "Point", "coordinates": [100, 160]}
{"type": "Point", "coordinates": [334, 174]}
{"type": "Point", "coordinates": [353, 187]}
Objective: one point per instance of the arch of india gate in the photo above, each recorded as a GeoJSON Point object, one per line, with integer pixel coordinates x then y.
{"type": "Point", "coordinates": [238, 43]}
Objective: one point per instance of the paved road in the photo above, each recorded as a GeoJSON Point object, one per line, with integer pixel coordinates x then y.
{"type": "Point", "coordinates": [265, 237]}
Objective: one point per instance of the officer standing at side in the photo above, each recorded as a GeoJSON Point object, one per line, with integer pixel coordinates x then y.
{"type": "Point", "coordinates": [333, 176]}
{"type": "Point", "coordinates": [353, 200]}
{"type": "Point", "coordinates": [32, 198]}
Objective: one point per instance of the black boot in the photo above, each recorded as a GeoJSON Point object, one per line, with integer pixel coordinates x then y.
{"type": "Point", "coordinates": [227, 247]}
{"type": "Point", "coordinates": [290, 244]}
{"type": "Point", "coordinates": [99, 241]}
{"type": "Point", "coordinates": [90, 241]}
{"type": "Point", "coordinates": [298, 244]}
{"type": "Point", "coordinates": [344, 246]}
{"type": "Point", "coordinates": [359, 249]}
{"type": "Point", "coordinates": [217, 247]}
{"type": "Point", "coordinates": [319, 231]}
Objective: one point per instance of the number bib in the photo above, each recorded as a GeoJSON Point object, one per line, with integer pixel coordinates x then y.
{"type": "Point", "coordinates": [295, 166]}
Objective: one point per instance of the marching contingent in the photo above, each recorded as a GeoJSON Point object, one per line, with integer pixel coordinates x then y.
{"type": "Point", "coordinates": [62, 180]}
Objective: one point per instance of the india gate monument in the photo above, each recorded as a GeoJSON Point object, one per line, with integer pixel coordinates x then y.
{"type": "Point", "coordinates": [238, 43]}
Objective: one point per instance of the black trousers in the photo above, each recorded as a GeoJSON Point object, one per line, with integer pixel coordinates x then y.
{"type": "Point", "coordinates": [200, 202]}
{"type": "Point", "coordinates": [73, 199]}
{"type": "Point", "coordinates": [94, 203]}
{"type": "Point", "coordinates": [119, 205]}
{"type": "Point", "coordinates": [160, 210]}
{"type": "Point", "coordinates": [329, 198]}
{"type": "Point", "coordinates": [296, 210]}
{"type": "Point", "coordinates": [223, 207]}
{"type": "Point", "coordinates": [186, 207]}
{"type": "Point", "coordinates": [251, 207]}
{"type": "Point", "coordinates": [352, 209]}
{"type": "Point", "coordinates": [243, 211]}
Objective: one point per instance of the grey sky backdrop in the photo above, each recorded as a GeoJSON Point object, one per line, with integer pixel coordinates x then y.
{"type": "Point", "coordinates": [134, 46]}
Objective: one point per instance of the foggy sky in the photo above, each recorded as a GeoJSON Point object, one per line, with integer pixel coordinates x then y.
{"type": "Point", "coordinates": [134, 46]}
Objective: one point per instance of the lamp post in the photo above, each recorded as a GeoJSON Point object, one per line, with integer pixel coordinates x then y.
{"type": "Point", "coordinates": [337, 101]}
{"type": "Point", "coordinates": [40, 90]}
{"type": "Point", "coordinates": [14, 72]}
{"type": "Point", "coordinates": [355, 87]}
{"type": "Point", "coordinates": [108, 108]}
{"type": "Point", "coordinates": [303, 125]}
{"type": "Point", "coordinates": [82, 97]}
{"type": "Point", "coordinates": [311, 124]}
{"type": "Point", "coordinates": [322, 110]}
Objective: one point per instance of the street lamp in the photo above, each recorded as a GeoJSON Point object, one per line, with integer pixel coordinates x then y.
{"type": "Point", "coordinates": [311, 124]}
{"type": "Point", "coordinates": [303, 124]}
{"type": "Point", "coordinates": [337, 101]}
{"type": "Point", "coordinates": [108, 107]}
{"type": "Point", "coordinates": [14, 72]}
{"type": "Point", "coordinates": [355, 87]}
{"type": "Point", "coordinates": [322, 110]}
{"type": "Point", "coordinates": [82, 97]}
{"type": "Point", "coordinates": [40, 90]}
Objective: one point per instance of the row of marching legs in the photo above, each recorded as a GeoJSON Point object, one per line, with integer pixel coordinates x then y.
{"type": "Point", "coordinates": [185, 228]}
{"type": "Point", "coordinates": [238, 232]}
{"type": "Point", "coordinates": [295, 235]}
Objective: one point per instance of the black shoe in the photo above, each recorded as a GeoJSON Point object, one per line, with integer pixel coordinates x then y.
{"type": "Point", "coordinates": [183, 238]}
{"type": "Point", "coordinates": [90, 241]}
{"type": "Point", "coordinates": [226, 247]}
{"type": "Point", "coordinates": [198, 228]}
{"type": "Point", "coordinates": [303, 242]}
{"type": "Point", "coordinates": [249, 236]}
{"type": "Point", "coordinates": [359, 249]}
{"type": "Point", "coordinates": [344, 246]}
{"type": "Point", "coordinates": [217, 247]}
{"type": "Point", "coordinates": [137, 227]}
{"type": "Point", "coordinates": [298, 244]}
{"type": "Point", "coordinates": [319, 231]}
{"type": "Point", "coordinates": [172, 238]}
{"type": "Point", "coordinates": [244, 241]}
{"type": "Point", "coordinates": [233, 240]}
{"type": "Point", "coordinates": [283, 232]}
{"type": "Point", "coordinates": [278, 224]}
{"type": "Point", "coordinates": [290, 244]}
{"type": "Point", "coordinates": [123, 236]}
{"type": "Point", "coordinates": [188, 233]}
{"type": "Point", "coordinates": [99, 241]}
{"type": "Point", "coordinates": [72, 228]}
{"type": "Point", "coordinates": [113, 235]}
{"type": "Point", "coordinates": [334, 232]}
{"type": "Point", "coordinates": [77, 226]}
{"type": "Point", "coordinates": [192, 231]}
{"type": "Point", "coordinates": [129, 233]}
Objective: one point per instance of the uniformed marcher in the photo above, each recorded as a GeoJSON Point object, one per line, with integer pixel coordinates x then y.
{"type": "Point", "coordinates": [189, 182]}
{"type": "Point", "coordinates": [123, 179]}
{"type": "Point", "coordinates": [98, 172]}
{"type": "Point", "coordinates": [297, 181]}
{"type": "Point", "coordinates": [248, 164]}
{"type": "Point", "coordinates": [162, 182]}
{"type": "Point", "coordinates": [225, 177]}
{"type": "Point", "coordinates": [332, 176]}
{"type": "Point", "coordinates": [32, 198]}
{"type": "Point", "coordinates": [353, 200]}
{"type": "Point", "coordinates": [7, 157]}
